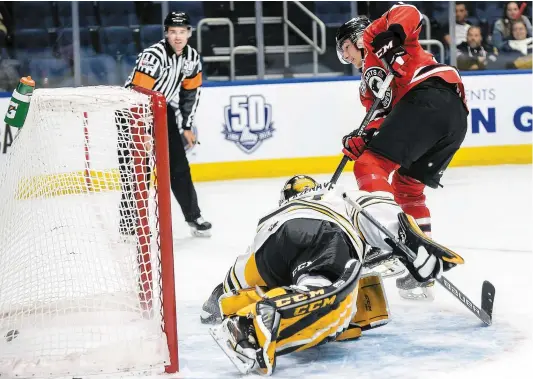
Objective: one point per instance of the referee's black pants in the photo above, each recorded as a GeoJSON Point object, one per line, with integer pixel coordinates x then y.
{"type": "Point", "coordinates": [180, 172]}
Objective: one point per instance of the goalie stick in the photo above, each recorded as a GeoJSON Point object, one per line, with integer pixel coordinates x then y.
{"type": "Point", "coordinates": [487, 290]}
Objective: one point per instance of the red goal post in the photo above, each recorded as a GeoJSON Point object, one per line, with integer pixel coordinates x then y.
{"type": "Point", "coordinates": [162, 183]}
{"type": "Point", "coordinates": [87, 282]}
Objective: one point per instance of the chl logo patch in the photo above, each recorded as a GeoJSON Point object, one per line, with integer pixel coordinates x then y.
{"type": "Point", "coordinates": [374, 78]}
{"type": "Point", "coordinates": [248, 122]}
{"type": "Point", "coordinates": [146, 64]}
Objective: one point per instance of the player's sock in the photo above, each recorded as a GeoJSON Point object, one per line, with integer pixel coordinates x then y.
{"type": "Point", "coordinates": [372, 172]}
{"type": "Point", "coordinates": [409, 194]}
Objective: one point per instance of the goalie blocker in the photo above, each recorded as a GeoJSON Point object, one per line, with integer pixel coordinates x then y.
{"type": "Point", "coordinates": [301, 283]}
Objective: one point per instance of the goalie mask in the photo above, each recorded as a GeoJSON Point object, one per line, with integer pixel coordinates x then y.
{"type": "Point", "coordinates": [295, 185]}
{"type": "Point", "coordinates": [351, 30]}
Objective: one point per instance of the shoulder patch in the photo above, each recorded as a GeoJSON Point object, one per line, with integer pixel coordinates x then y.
{"type": "Point", "coordinates": [146, 64]}
{"type": "Point", "coordinates": [374, 77]}
{"type": "Point", "coordinates": [188, 67]}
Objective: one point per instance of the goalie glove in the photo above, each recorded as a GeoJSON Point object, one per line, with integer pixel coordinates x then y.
{"type": "Point", "coordinates": [431, 258]}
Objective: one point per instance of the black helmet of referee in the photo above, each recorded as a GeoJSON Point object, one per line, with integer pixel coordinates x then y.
{"type": "Point", "coordinates": [177, 19]}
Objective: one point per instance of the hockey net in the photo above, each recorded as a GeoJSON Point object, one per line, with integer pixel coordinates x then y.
{"type": "Point", "coordinates": [86, 265]}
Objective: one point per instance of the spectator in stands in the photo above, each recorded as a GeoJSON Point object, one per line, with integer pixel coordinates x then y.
{"type": "Point", "coordinates": [461, 25]}
{"type": "Point", "coordinates": [502, 28]}
{"type": "Point", "coordinates": [3, 32]}
{"type": "Point", "coordinates": [8, 72]}
{"type": "Point", "coordinates": [520, 46]}
{"type": "Point", "coordinates": [474, 54]}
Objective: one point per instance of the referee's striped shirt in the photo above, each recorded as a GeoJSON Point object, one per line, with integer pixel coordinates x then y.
{"type": "Point", "coordinates": [178, 77]}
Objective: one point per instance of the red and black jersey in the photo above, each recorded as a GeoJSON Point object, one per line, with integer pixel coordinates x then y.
{"type": "Point", "coordinates": [419, 65]}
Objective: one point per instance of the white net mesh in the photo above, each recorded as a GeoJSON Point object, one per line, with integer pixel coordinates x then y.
{"type": "Point", "coordinates": [79, 254]}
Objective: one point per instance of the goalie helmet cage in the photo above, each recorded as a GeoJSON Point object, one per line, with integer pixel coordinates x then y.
{"type": "Point", "coordinates": [86, 262]}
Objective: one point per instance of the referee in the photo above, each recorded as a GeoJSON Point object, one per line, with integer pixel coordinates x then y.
{"type": "Point", "coordinates": [173, 68]}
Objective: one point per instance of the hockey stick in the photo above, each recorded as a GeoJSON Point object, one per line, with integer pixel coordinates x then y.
{"type": "Point", "coordinates": [487, 290]}
{"type": "Point", "coordinates": [369, 117]}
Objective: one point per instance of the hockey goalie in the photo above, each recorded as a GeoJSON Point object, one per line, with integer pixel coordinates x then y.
{"type": "Point", "coordinates": [302, 281]}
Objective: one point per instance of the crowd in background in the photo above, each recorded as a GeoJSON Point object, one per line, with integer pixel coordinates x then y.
{"type": "Point", "coordinates": [488, 35]}
{"type": "Point", "coordinates": [508, 46]}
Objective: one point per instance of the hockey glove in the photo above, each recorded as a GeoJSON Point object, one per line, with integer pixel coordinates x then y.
{"type": "Point", "coordinates": [355, 145]}
{"type": "Point", "coordinates": [388, 47]}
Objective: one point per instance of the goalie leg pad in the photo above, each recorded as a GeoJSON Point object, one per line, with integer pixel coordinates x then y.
{"type": "Point", "coordinates": [372, 308]}
{"type": "Point", "coordinates": [243, 274]}
{"type": "Point", "coordinates": [233, 302]}
{"type": "Point", "coordinates": [289, 319]}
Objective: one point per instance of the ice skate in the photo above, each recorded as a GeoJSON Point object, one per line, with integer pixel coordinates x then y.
{"type": "Point", "coordinates": [236, 338]}
{"type": "Point", "coordinates": [210, 310]}
{"type": "Point", "coordinates": [383, 262]}
{"type": "Point", "coordinates": [409, 288]}
{"type": "Point", "coordinates": [200, 227]}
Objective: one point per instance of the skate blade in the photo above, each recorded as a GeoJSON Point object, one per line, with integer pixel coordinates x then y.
{"type": "Point", "coordinates": [208, 318]}
{"type": "Point", "coordinates": [243, 363]}
{"type": "Point", "coordinates": [422, 294]}
{"type": "Point", "coordinates": [201, 233]}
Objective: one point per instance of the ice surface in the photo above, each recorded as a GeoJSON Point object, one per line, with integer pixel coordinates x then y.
{"type": "Point", "coordinates": [485, 213]}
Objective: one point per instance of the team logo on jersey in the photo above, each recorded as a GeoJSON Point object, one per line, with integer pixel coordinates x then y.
{"type": "Point", "coordinates": [188, 68]}
{"type": "Point", "coordinates": [374, 78]}
{"type": "Point", "coordinates": [248, 122]}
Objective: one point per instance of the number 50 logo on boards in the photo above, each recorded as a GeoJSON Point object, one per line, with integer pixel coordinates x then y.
{"type": "Point", "coordinates": [248, 121]}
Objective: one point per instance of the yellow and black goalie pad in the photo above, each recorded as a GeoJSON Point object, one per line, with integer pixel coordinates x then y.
{"type": "Point", "coordinates": [230, 303]}
{"type": "Point", "coordinates": [372, 308]}
{"type": "Point", "coordinates": [288, 319]}
{"type": "Point", "coordinates": [309, 318]}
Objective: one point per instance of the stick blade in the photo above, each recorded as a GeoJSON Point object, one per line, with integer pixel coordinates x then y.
{"type": "Point", "coordinates": [487, 297]}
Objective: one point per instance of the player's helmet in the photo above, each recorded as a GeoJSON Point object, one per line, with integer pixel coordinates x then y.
{"type": "Point", "coordinates": [177, 19]}
{"type": "Point", "coordinates": [353, 30]}
{"type": "Point", "coordinates": [296, 185]}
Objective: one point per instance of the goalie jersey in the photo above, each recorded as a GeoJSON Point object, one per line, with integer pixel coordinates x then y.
{"type": "Point", "coordinates": [323, 203]}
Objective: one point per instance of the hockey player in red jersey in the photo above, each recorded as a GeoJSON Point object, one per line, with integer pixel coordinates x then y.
{"type": "Point", "coordinates": [420, 124]}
